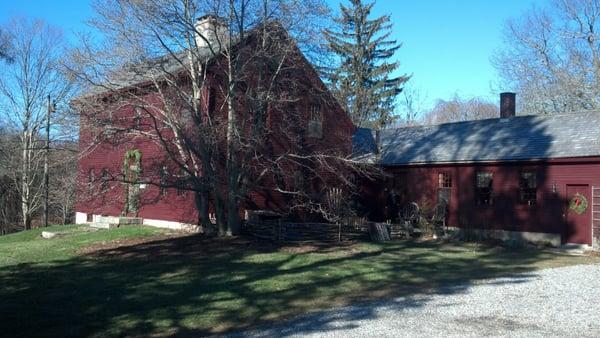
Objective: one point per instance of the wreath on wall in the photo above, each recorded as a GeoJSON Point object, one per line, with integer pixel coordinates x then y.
{"type": "Point", "coordinates": [578, 203]}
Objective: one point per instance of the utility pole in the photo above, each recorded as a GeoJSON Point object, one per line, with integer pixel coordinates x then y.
{"type": "Point", "coordinates": [46, 154]}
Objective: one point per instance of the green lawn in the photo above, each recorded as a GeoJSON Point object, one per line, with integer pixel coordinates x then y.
{"type": "Point", "coordinates": [189, 285]}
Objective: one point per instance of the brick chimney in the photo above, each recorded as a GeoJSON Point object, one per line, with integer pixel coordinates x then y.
{"type": "Point", "coordinates": [211, 31]}
{"type": "Point", "coordinates": [507, 105]}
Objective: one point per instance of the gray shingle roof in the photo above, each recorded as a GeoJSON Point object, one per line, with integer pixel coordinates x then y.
{"type": "Point", "coordinates": [363, 143]}
{"type": "Point", "coordinates": [148, 70]}
{"type": "Point", "coordinates": [518, 138]}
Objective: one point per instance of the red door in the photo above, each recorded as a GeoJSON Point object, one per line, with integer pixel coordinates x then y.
{"type": "Point", "coordinates": [578, 228]}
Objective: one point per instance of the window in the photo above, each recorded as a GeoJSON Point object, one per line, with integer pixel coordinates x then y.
{"type": "Point", "coordinates": [182, 183]}
{"type": "Point", "coordinates": [163, 180]}
{"type": "Point", "coordinates": [107, 120]}
{"type": "Point", "coordinates": [298, 184]}
{"type": "Point", "coordinates": [334, 198]}
{"type": "Point", "coordinates": [315, 122]}
{"type": "Point", "coordinates": [137, 118]}
{"type": "Point", "coordinates": [399, 182]}
{"type": "Point", "coordinates": [527, 187]}
{"type": "Point", "coordinates": [483, 189]}
{"type": "Point", "coordinates": [212, 101]}
{"type": "Point", "coordinates": [444, 187]}
{"type": "Point", "coordinates": [91, 179]}
{"type": "Point", "coordinates": [105, 177]}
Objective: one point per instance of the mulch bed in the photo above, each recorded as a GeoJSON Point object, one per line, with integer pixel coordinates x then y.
{"type": "Point", "coordinates": [170, 244]}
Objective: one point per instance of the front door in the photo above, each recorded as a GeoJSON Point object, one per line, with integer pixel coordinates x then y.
{"type": "Point", "coordinates": [578, 227]}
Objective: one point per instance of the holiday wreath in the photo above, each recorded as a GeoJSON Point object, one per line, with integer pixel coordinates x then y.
{"type": "Point", "coordinates": [578, 203]}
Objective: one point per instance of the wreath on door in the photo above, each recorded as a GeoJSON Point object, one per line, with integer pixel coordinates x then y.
{"type": "Point", "coordinates": [578, 203]}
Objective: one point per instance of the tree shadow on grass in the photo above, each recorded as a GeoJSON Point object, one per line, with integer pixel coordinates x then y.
{"type": "Point", "coordinates": [194, 286]}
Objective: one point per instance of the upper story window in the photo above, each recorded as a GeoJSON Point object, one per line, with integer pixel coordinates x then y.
{"type": "Point", "coordinates": [315, 122]}
{"type": "Point", "coordinates": [212, 101]}
{"type": "Point", "coordinates": [444, 187]}
{"type": "Point", "coordinates": [484, 184]}
{"type": "Point", "coordinates": [528, 187]}
{"type": "Point", "coordinates": [164, 175]}
{"type": "Point", "coordinates": [137, 118]}
{"type": "Point", "coordinates": [106, 120]}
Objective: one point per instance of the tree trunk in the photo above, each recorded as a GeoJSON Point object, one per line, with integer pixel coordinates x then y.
{"type": "Point", "coordinates": [220, 215]}
{"type": "Point", "coordinates": [233, 214]}
{"type": "Point", "coordinates": [202, 205]}
{"type": "Point", "coordinates": [25, 193]}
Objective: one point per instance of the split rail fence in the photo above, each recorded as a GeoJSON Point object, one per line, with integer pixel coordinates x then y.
{"type": "Point", "coordinates": [288, 232]}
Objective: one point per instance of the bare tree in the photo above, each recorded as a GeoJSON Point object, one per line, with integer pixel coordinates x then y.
{"type": "Point", "coordinates": [63, 181]}
{"type": "Point", "coordinates": [25, 83]}
{"type": "Point", "coordinates": [551, 57]}
{"type": "Point", "coordinates": [9, 200]}
{"type": "Point", "coordinates": [458, 109]}
{"type": "Point", "coordinates": [412, 106]}
{"type": "Point", "coordinates": [225, 102]}
{"type": "Point", "coordinates": [5, 46]}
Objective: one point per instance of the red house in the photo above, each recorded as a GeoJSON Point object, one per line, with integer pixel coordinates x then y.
{"type": "Point", "coordinates": [535, 178]}
{"type": "Point", "coordinates": [106, 162]}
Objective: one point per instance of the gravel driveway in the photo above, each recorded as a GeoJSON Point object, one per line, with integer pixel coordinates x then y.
{"type": "Point", "coordinates": [554, 302]}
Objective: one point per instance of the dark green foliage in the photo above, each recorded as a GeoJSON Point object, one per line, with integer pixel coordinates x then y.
{"type": "Point", "coordinates": [362, 80]}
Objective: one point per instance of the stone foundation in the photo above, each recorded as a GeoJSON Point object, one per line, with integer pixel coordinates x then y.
{"type": "Point", "coordinates": [541, 238]}
{"type": "Point", "coordinates": [81, 218]}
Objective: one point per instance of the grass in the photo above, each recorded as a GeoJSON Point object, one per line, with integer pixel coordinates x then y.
{"type": "Point", "coordinates": [190, 285]}
{"type": "Point", "coordinates": [30, 247]}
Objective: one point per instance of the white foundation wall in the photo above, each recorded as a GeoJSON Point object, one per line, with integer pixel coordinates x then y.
{"type": "Point", "coordinates": [80, 218]}
{"type": "Point", "coordinates": [171, 225]}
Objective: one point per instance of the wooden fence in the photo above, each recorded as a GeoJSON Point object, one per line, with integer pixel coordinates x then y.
{"type": "Point", "coordinates": [288, 232]}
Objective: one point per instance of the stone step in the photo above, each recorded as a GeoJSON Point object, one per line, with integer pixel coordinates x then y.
{"type": "Point", "coordinates": [107, 222]}
{"type": "Point", "coordinates": [103, 225]}
{"type": "Point", "coordinates": [130, 221]}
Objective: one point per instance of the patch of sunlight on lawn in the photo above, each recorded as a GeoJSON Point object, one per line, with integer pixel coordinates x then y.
{"type": "Point", "coordinates": [30, 247]}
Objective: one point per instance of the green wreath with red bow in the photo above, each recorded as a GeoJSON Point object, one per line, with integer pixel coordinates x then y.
{"type": "Point", "coordinates": [578, 203]}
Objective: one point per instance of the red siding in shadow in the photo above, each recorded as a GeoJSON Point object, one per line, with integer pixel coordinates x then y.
{"type": "Point", "coordinates": [506, 211]}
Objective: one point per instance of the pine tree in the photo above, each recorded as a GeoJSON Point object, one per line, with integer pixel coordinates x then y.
{"type": "Point", "coordinates": [362, 80]}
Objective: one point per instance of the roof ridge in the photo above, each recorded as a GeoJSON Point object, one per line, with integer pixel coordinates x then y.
{"type": "Point", "coordinates": [541, 116]}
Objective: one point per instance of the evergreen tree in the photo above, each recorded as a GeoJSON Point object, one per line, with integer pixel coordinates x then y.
{"type": "Point", "coordinates": [362, 79]}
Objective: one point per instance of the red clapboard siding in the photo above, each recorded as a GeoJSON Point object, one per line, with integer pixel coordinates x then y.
{"type": "Point", "coordinates": [337, 133]}
{"type": "Point", "coordinates": [506, 211]}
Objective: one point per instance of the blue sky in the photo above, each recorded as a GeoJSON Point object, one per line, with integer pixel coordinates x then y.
{"type": "Point", "coordinates": [447, 43]}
